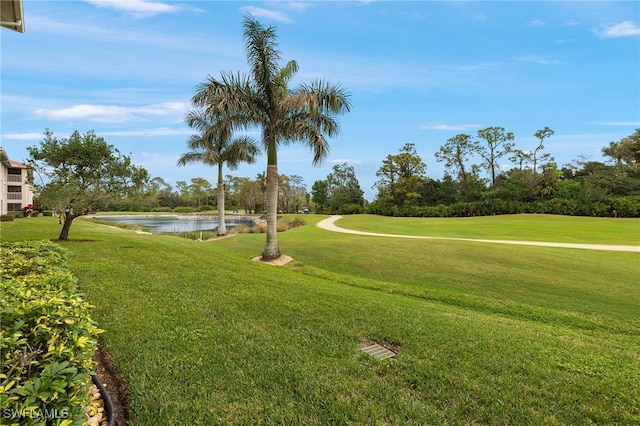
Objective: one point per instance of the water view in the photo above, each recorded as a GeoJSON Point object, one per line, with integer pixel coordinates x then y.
{"type": "Point", "coordinates": [174, 224]}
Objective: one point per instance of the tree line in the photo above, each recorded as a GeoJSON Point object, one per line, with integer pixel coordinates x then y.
{"type": "Point", "coordinates": [489, 175]}
{"type": "Point", "coordinates": [531, 181]}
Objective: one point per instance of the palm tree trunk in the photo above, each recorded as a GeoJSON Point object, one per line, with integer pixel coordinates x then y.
{"type": "Point", "coordinates": [222, 228]}
{"type": "Point", "coordinates": [271, 250]}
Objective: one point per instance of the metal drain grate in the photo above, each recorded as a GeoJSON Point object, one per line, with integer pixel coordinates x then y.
{"type": "Point", "coordinates": [378, 351]}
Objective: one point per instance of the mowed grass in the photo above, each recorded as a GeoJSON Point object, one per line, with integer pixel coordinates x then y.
{"type": "Point", "coordinates": [527, 227]}
{"type": "Point", "coordinates": [485, 334]}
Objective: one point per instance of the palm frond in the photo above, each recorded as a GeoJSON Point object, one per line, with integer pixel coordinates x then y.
{"type": "Point", "coordinates": [331, 98]}
{"type": "Point", "coordinates": [262, 53]}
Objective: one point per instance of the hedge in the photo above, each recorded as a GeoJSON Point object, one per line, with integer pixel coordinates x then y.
{"type": "Point", "coordinates": [47, 338]}
{"type": "Point", "coordinates": [621, 206]}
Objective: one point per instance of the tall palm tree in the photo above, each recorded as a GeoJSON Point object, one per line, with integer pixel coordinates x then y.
{"type": "Point", "coordinates": [263, 98]}
{"type": "Point", "coordinates": [215, 146]}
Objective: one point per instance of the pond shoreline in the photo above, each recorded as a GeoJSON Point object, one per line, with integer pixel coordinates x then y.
{"type": "Point", "coordinates": [183, 216]}
{"type": "Point", "coordinates": [171, 223]}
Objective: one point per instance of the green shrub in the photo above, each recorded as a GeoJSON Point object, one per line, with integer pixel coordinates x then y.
{"type": "Point", "coordinates": [48, 213]}
{"type": "Point", "coordinates": [7, 218]}
{"type": "Point", "coordinates": [626, 206]}
{"type": "Point", "coordinates": [184, 209]}
{"type": "Point", "coordinates": [47, 337]}
{"type": "Point", "coordinates": [162, 209]}
{"type": "Point", "coordinates": [295, 222]}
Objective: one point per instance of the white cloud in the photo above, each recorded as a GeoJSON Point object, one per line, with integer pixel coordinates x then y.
{"type": "Point", "coordinates": [537, 60]}
{"type": "Point", "coordinates": [449, 127]}
{"type": "Point", "coordinates": [258, 12]}
{"type": "Point", "coordinates": [618, 123]}
{"type": "Point", "coordinates": [345, 160]}
{"type": "Point", "coordinates": [161, 131]}
{"type": "Point", "coordinates": [137, 8]}
{"type": "Point", "coordinates": [536, 23]}
{"type": "Point", "coordinates": [23, 136]}
{"type": "Point", "coordinates": [114, 113]}
{"type": "Point", "coordinates": [623, 29]}
{"type": "Point", "coordinates": [298, 5]}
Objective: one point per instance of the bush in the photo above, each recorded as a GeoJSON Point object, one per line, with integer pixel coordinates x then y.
{"type": "Point", "coordinates": [7, 218]}
{"type": "Point", "coordinates": [627, 206]}
{"type": "Point", "coordinates": [184, 209]}
{"type": "Point", "coordinates": [296, 221]}
{"type": "Point", "coordinates": [162, 209]}
{"type": "Point", "coordinates": [240, 229]}
{"type": "Point", "coordinates": [47, 213]}
{"type": "Point", "coordinates": [47, 337]}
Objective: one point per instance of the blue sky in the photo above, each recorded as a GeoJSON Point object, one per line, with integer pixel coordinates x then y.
{"type": "Point", "coordinates": [418, 72]}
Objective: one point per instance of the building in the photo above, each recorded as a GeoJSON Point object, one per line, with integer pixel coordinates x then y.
{"type": "Point", "coordinates": [16, 190]}
{"type": "Point", "coordinates": [12, 15]}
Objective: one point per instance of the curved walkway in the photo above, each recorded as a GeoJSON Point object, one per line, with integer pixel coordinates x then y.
{"type": "Point", "coordinates": [329, 225]}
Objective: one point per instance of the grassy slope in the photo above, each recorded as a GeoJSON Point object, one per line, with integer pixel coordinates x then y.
{"type": "Point", "coordinates": [528, 227]}
{"type": "Point", "coordinates": [206, 336]}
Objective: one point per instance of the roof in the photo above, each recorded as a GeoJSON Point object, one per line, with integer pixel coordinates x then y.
{"type": "Point", "coordinates": [12, 15]}
{"type": "Point", "coordinates": [17, 164]}
{"type": "Point", "coordinates": [3, 155]}
{"type": "Point", "coordinates": [4, 158]}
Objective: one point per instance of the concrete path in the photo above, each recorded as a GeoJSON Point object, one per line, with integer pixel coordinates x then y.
{"type": "Point", "coordinates": [329, 225]}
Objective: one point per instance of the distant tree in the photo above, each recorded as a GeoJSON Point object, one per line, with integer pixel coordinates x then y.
{"type": "Point", "coordinates": [401, 177]}
{"type": "Point", "coordinates": [456, 153]}
{"type": "Point", "coordinates": [520, 158]}
{"type": "Point", "coordinates": [199, 190]}
{"type": "Point", "coordinates": [626, 151]}
{"type": "Point", "coordinates": [497, 145]}
{"type": "Point", "coordinates": [81, 172]}
{"type": "Point", "coordinates": [163, 192]}
{"type": "Point", "coordinates": [320, 194]}
{"type": "Point", "coordinates": [307, 114]}
{"type": "Point", "coordinates": [214, 145]}
{"type": "Point", "coordinates": [345, 195]}
{"type": "Point", "coordinates": [536, 154]}
{"type": "Point", "coordinates": [340, 193]}
{"type": "Point", "coordinates": [284, 194]}
{"type": "Point", "coordinates": [183, 192]}
{"type": "Point", "coordinates": [298, 192]}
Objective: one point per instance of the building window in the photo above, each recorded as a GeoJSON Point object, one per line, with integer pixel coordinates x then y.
{"type": "Point", "coordinates": [14, 192]}
{"type": "Point", "coordinates": [14, 207]}
{"type": "Point", "coordinates": [14, 175]}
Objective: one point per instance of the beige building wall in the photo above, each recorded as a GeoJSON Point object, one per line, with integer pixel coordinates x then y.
{"type": "Point", "coordinates": [14, 179]}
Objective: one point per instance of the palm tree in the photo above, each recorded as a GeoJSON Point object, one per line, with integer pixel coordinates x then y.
{"type": "Point", "coordinates": [263, 98]}
{"type": "Point", "coordinates": [214, 146]}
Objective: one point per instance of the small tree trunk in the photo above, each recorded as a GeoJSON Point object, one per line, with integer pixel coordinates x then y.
{"type": "Point", "coordinates": [222, 228]}
{"type": "Point", "coordinates": [64, 233]}
{"type": "Point", "coordinates": [271, 250]}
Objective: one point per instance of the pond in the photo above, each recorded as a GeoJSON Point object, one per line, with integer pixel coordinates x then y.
{"type": "Point", "coordinates": [175, 224]}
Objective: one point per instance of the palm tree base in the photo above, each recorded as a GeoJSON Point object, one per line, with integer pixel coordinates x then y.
{"type": "Point", "coordinates": [279, 261]}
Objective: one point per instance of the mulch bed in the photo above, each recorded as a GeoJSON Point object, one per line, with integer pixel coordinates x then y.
{"type": "Point", "coordinates": [113, 381]}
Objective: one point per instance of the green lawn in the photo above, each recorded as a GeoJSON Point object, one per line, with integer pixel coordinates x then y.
{"type": "Point", "coordinates": [487, 334]}
{"type": "Point", "coordinates": [528, 227]}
